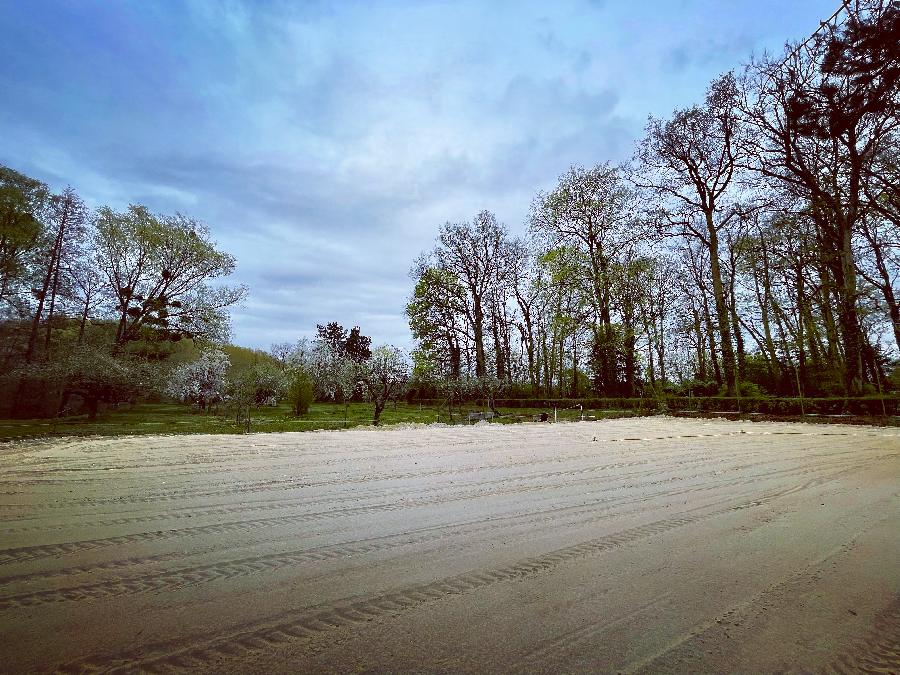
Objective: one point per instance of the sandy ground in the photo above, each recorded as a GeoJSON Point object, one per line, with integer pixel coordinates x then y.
{"type": "Point", "coordinates": [654, 545]}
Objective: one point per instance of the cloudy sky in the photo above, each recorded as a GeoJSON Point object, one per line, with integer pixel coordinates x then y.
{"type": "Point", "coordinates": [325, 142]}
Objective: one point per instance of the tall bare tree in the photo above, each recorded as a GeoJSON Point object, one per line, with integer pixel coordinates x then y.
{"type": "Point", "coordinates": [476, 255]}
{"type": "Point", "coordinates": [688, 162]}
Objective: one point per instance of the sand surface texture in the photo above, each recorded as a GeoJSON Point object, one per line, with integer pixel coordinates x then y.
{"type": "Point", "coordinates": [647, 545]}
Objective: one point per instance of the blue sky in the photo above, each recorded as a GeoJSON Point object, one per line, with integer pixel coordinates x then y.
{"type": "Point", "coordinates": [325, 142]}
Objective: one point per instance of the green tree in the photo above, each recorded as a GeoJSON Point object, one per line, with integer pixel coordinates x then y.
{"type": "Point", "coordinates": [357, 346]}
{"type": "Point", "coordinates": [22, 200]}
{"type": "Point", "coordinates": [159, 269]}
{"type": "Point", "coordinates": [94, 376]}
{"type": "Point", "coordinates": [436, 314]}
{"type": "Point", "coordinates": [301, 391]}
{"type": "Point", "coordinates": [477, 256]}
{"type": "Point", "coordinates": [591, 211]}
{"type": "Point", "coordinates": [384, 376]}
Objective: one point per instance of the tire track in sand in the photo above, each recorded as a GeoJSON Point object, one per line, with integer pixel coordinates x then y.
{"type": "Point", "coordinates": [308, 625]}
{"type": "Point", "coordinates": [400, 491]}
{"type": "Point", "coordinates": [296, 483]}
{"type": "Point", "coordinates": [274, 505]}
{"type": "Point", "coordinates": [277, 504]}
{"type": "Point", "coordinates": [174, 579]}
{"type": "Point", "coordinates": [26, 553]}
{"type": "Point", "coordinates": [760, 603]}
{"type": "Point", "coordinates": [592, 509]}
{"type": "Point", "coordinates": [288, 483]}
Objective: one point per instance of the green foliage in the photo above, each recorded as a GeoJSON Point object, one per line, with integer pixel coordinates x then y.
{"type": "Point", "coordinates": [438, 299]}
{"type": "Point", "coordinates": [21, 201]}
{"type": "Point", "coordinates": [751, 390]}
{"type": "Point", "coordinates": [893, 383]}
{"type": "Point", "coordinates": [696, 387]}
{"type": "Point", "coordinates": [91, 376]}
{"type": "Point", "coordinates": [757, 371]}
{"type": "Point", "coordinates": [268, 384]}
{"type": "Point", "coordinates": [301, 392]}
{"type": "Point", "coordinates": [158, 269]}
{"type": "Point", "coordinates": [262, 384]}
{"type": "Point", "coordinates": [146, 418]}
{"type": "Point", "coordinates": [242, 358]}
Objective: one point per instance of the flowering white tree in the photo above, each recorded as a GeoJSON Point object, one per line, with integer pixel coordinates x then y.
{"type": "Point", "coordinates": [384, 376]}
{"type": "Point", "coordinates": [201, 382]}
{"type": "Point", "coordinates": [333, 373]}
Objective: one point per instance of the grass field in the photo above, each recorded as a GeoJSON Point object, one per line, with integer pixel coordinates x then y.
{"type": "Point", "coordinates": [149, 418]}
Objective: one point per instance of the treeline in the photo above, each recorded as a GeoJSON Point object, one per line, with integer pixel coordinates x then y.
{"type": "Point", "coordinates": [751, 246]}
{"type": "Point", "coordinates": [93, 304]}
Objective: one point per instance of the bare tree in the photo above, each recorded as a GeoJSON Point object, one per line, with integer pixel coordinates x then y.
{"type": "Point", "coordinates": [689, 163]}
{"type": "Point", "coordinates": [87, 292]}
{"type": "Point", "coordinates": [476, 255]}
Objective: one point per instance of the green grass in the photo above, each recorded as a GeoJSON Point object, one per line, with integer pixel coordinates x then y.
{"type": "Point", "coordinates": [149, 418]}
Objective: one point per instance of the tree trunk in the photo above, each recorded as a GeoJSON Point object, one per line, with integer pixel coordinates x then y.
{"type": "Point", "coordinates": [379, 408]}
{"type": "Point", "coordinates": [575, 365]}
{"type": "Point", "coordinates": [478, 329]}
{"type": "Point", "coordinates": [54, 289]}
{"type": "Point", "coordinates": [711, 337]}
{"type": "Point", "coordinates": [887, 289]}
{"type": "Point", "coordinates": [499, 358]}
{"type": "Point", "coordinates": [561, 382]}
{"type": "Point", "coordinates": [848, 319]}
{"type": "Point", "coordinates": [93, 404]}
{"type": "Point", "coordinates": [701, 352]}
{"type": "Point", "coordinates": [801, 349]}
{"type": "Point", "coordinates": [661, 348]}
{"type": "Point", "coordinates": [723, 319]}
{"type": "Point", "coordinates": [36, 321]}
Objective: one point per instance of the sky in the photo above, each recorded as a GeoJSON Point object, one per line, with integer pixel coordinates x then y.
{"type": "Point", "coordinates": [324, 143]}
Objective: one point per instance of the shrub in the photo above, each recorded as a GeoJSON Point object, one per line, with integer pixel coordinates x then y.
{"type": "Point", "coordinates": [301, 392]}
